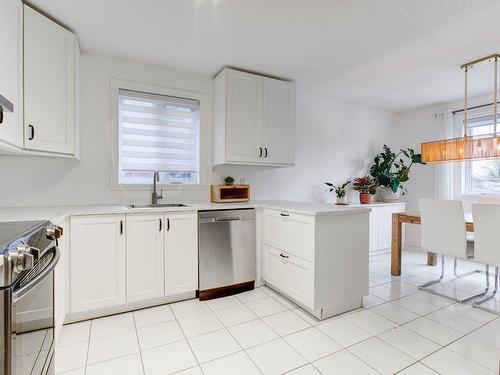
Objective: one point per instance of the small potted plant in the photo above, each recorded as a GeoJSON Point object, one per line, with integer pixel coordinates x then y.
{"type": "Point", "coordinates": [229, 180]}
{"type": "Point", "coordinates": [366, 186]}
{"type": "Point", "coordinates": [339, 191]}
{"type": "Point", "coordinates": [391, 170]}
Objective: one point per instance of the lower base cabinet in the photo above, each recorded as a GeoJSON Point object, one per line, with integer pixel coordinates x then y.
{"type": "Point", "coordinates": [145, 259]}
{"type": "Point", "coordinates": [98, 262]}
{"type": "Point", "coordinates": [326, 272]}
{"type": "Point", "coordinates": [120, 260]}
{"type": "Point", "coordinates": [181, 253]}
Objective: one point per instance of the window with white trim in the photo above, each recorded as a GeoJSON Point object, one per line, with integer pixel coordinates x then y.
{"type": "Point", "coordinates": [157, 133]}
{"type": "Point", "coordinates": [481, 176]}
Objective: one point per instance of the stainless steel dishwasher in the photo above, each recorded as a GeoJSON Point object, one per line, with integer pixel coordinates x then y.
{"type": "Point", "coordinates": [227, 252]}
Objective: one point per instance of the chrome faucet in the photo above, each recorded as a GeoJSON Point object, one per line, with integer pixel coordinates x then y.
{"type": "Point", "coordinates": [154, 195]}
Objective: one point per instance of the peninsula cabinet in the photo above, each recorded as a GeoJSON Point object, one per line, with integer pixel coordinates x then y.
{"type": "Point", "coordinates": [125, 261]}
{"type": "Point", "coordinates": [318, 261]}
{"type": "Point", "coordinates": [254, 119]}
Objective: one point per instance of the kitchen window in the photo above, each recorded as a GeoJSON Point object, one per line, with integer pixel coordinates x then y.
{"type": "Point", "coordinates": [158, 133]}
{"type": "Point", "coordinates": [481, 176]}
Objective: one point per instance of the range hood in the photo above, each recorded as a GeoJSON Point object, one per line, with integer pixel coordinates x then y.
{"type": "Point", "coordinates": [5, 106]}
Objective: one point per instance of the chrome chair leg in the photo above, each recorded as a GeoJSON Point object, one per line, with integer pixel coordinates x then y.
{"type": "Point", "coordinates": [477, 304]}
{"type": "Point", "coordinates": [434, 282]}
{"type": "Point", "coordinates": [425, 287]}
{"type": "Point", "coordinates": [465, 273]}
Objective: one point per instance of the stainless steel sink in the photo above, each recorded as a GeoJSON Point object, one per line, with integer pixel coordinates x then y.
{"type": "Point", "coordinates": [160, 205]}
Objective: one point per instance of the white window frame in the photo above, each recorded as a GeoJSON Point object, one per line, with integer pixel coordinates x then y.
{"type": "Point", "coordinates": [462, 171]}
{"type": "Point", "coordinates": [116, 85]}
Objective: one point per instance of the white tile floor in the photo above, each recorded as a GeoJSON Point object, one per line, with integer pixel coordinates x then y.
{"type": "Point", "coordinates": [400, 330]}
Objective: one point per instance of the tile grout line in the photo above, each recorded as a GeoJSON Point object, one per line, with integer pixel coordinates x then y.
{"type": "Point", "coordinates": [138, 344]}
{"type": "Point", "coordinates": [187, 341]}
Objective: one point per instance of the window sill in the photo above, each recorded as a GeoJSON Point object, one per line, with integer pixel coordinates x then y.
{"type": "Point", "coordinates": [158, 187]}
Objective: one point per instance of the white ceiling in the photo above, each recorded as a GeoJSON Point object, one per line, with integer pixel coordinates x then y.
{"type": "Point", "coordinates": [393, 55]}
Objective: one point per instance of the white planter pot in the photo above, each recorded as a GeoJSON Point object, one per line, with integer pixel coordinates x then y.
{"type": "Point", "coordinates": [387, 195]}
{"type": "Point", "coordinates": [342, 200]}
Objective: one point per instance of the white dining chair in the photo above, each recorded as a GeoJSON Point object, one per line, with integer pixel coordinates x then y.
{"type": "Point", "coordinates": [487, 248]}
{"type": "Point", "coordinates": [444, 232]}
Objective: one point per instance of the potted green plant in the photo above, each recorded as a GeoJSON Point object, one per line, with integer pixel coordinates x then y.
{"type": "Point", "coordinates": [339, 191]}
{"type": "Point", "coordinates": [391, 170]}
{"type": "Point", "coordinates": [229, 180]}
{"type": "Point", "coordinates": [366, 186]}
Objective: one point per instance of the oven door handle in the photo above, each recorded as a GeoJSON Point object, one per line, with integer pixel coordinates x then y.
{"type": "Point", "coordinates": [21, 292]}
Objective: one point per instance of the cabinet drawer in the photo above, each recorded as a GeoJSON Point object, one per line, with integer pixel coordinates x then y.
{"type": "Point", "coordinates": [292, 233]}
{"type": "Point", "coordinates": [292, 275]}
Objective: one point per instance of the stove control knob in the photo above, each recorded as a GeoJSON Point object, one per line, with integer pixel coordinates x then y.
{"type": "Point", "coordinates": [22, 258]}
{"type": "Point", "coordinates": [54, 232]}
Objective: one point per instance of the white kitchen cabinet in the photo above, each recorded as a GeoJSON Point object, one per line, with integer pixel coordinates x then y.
{"type": "Point", "coordinates": [145, 259]}
{"type": "Point", "coordinates": [50, 61]}
{"type": "Point", "coordinates": [181, 252]}
{"type": "Point", "coordinates": [319, 261]}
{"type": "Point", "coordinates": [11, 16]}
{"type": "Point", "coordinates": [253, 119]}
{"type": "Point", "coordinates": [381, 225]}
{"type": "Point", "coordinates": [98, 262]}
{"type": "Point", "coordinates": [278, 121]}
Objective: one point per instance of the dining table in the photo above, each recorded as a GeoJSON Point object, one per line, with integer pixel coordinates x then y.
{"type": "Point", "coordinates": [400, 218]}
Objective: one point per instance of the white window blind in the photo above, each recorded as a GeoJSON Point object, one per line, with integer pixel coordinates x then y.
{"type": "Point", "coordinates": [158, 133]}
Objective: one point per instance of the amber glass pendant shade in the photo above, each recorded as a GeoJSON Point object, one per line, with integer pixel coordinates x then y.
{"type": "Point", "coordinates": [467, 147]}
{"type": "Point", "coordinates": [461, 149]}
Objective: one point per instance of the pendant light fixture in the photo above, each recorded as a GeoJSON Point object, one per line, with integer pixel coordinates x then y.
{"type": "Point", "coordinates": [467, 147]}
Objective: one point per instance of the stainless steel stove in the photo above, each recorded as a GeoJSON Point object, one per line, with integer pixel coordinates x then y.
{"type": "Point", "coordinates": [29, 254]}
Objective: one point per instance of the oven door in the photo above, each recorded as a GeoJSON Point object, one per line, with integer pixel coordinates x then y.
{"type": "Point", "coordinates": [32, 338]}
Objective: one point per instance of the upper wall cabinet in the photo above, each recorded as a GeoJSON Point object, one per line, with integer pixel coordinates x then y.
{"type": "Point", "coordinates": [11, 32]}
{"type": "Point", "coordinates": [49, 85]}
{"type": "Point", "coordinates": [254, 119]}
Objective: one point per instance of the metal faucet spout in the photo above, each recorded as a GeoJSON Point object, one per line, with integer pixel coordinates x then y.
{"type": "Point", "coordinates": [155, 197]}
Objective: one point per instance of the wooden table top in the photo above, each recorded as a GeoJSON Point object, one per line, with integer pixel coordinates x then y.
{"type": "Point", "coordinates": [413, 217]}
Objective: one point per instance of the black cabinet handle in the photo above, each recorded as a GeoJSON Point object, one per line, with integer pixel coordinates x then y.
{"type": "Point", "coordinates": [121, 226]}
{"type": "Point", "coordinates": [260, 152]}
{"type": "Point", "coordinates": [282, 214]}
{"type": "Point", "coordinates": [161, 225]}
{"type": "Point", "coordinates": [284, 256]}
{"type": "Point", "coordinates": [168, 225]}
{"type": "Point", "coordinates": [32, 132]}
{"type": "Point", "coordinates": [265, 149]}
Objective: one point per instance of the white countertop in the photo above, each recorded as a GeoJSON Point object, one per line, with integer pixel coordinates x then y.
{"type": "Point", "coordinates": [59, 214]}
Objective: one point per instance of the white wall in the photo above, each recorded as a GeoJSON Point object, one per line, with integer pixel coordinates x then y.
{"type": "Point", "coordinates": [33, 181]}
{"type": "Point", "coordinates": [335, 141]}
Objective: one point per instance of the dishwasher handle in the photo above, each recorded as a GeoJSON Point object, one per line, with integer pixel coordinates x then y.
{"type": "Point", "coordinates": [220, 220]}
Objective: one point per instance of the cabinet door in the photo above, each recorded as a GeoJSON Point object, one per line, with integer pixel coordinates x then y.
{"type": "Point", "coordinates": [181, 253]}
{"type": "Point", "coordinates": [243, 117]}
{"type": "Point", "coordinates": [49, 85]}
{"type": "Point", "coordinates": [145, 263]}
{"type": "Point", "coordinates": [290, 274]}
{"type": "Point", "coordinates": [384, 227]}
{"type": "Point", "coordinates": [278, 126]}
{"type": "Point", "coordinates": [97, 262]}
{"type": "Point", "coordinates": [11, 15]}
